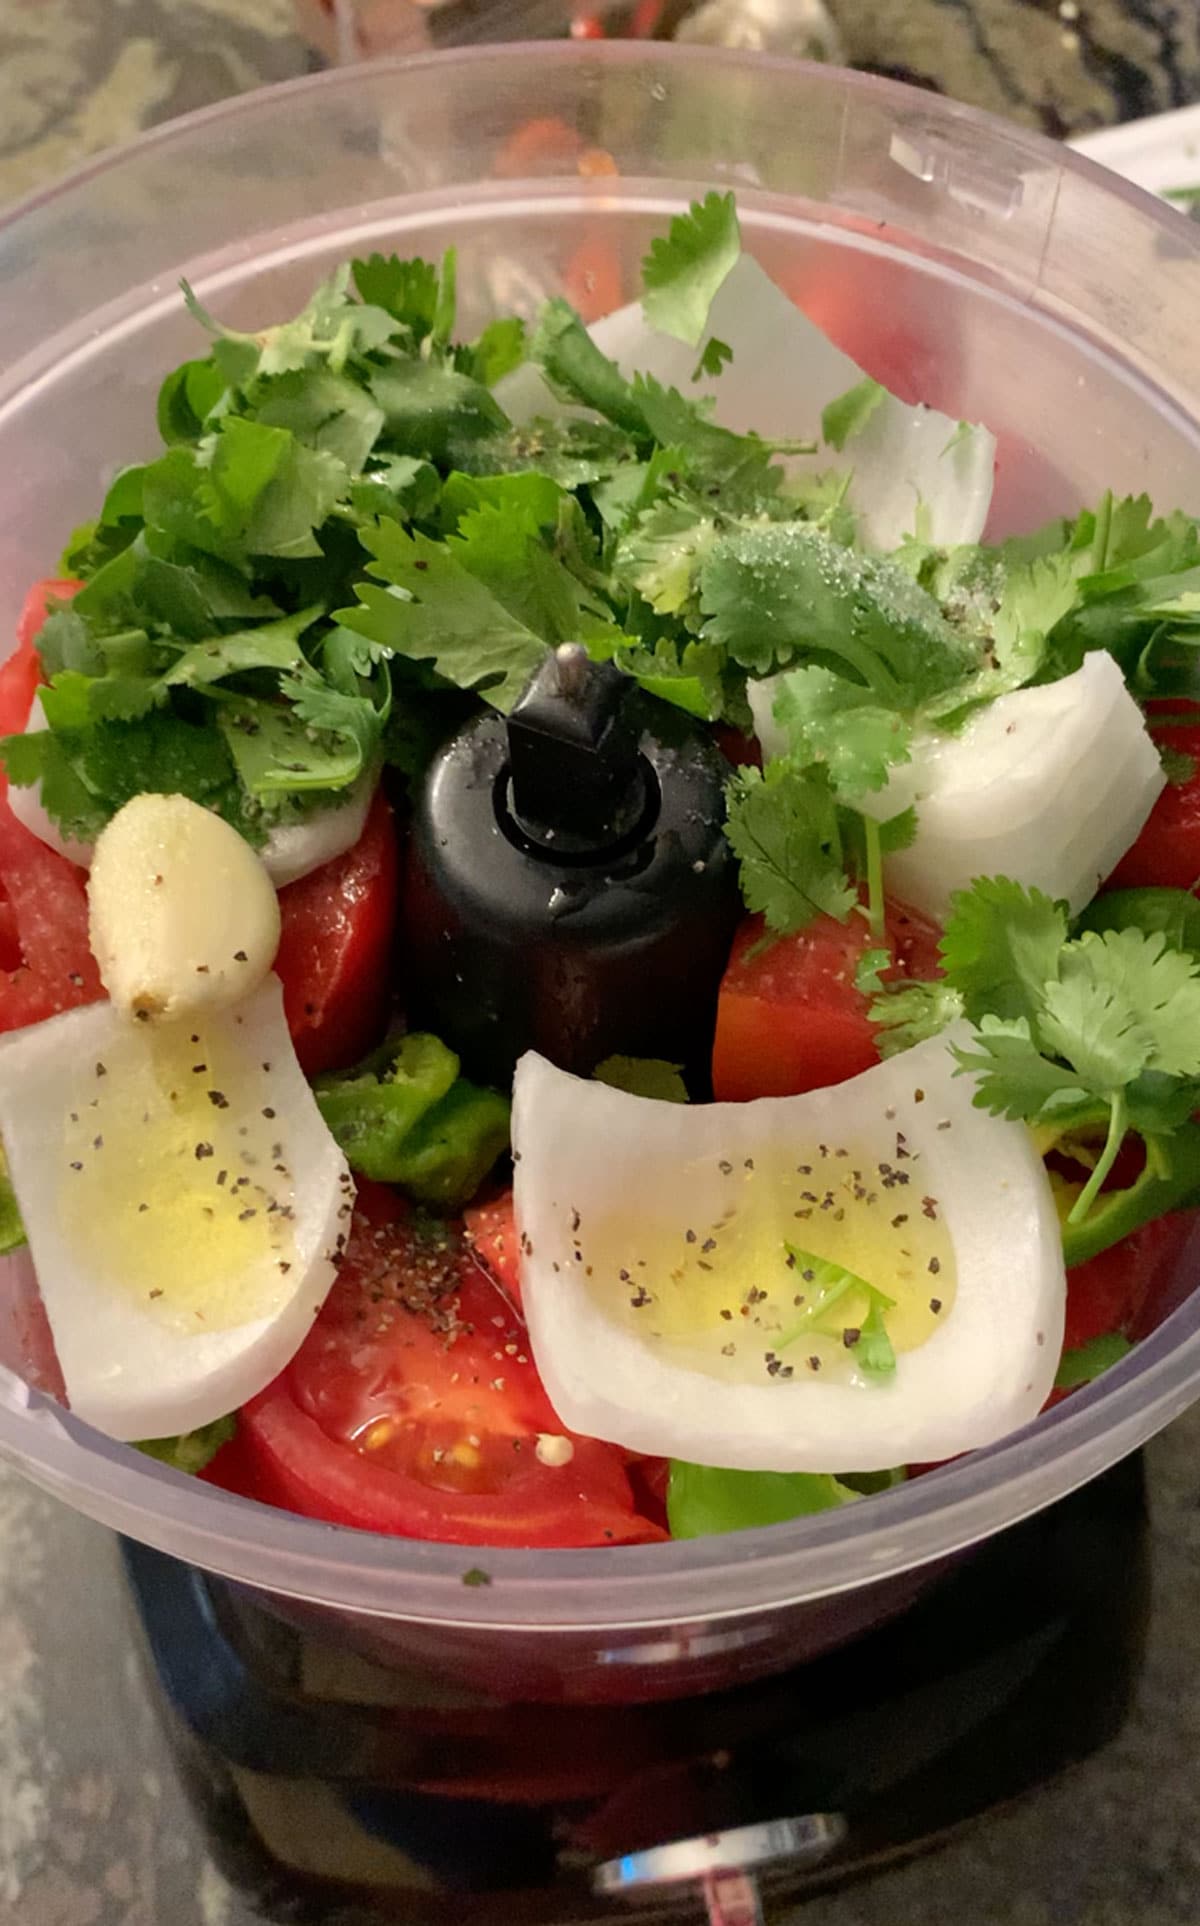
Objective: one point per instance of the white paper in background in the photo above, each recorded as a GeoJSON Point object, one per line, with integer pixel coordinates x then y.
{"type": "Point", "coordinates": [1159, 153]}
{"type": "Point", "coordinates": [906, 462]}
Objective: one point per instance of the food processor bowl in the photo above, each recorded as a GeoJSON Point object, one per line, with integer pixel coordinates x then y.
{"type": "Point", "coordinates": [968, 264]}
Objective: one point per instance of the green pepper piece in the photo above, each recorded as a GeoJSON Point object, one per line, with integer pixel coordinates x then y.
{"type": "Point", "coordinates": [1176, 912]}
{"type": "Point", "coordinates": [1169, 1181]}
{"type": "Point", "coordinates": [12, 1230]}
{"type": "Point", "coordinates": [373, 1110]}
{"type": "Point", "coordinates": [701, 1499]}
{"type": "Point", "coordinates": [453, 1146]}
{"type": "Point", "coordinates": [192, 1450]}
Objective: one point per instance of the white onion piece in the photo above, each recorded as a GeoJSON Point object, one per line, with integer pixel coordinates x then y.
{"type": "Point", "coordinates": [291, 850]}
{"type": "Point", "coordinates": [1049, 786]}
{"type": "Point", "coordinates": [591, 1157]}
{"type": "Point", "coordinates": [905, 461]}
{"type": "Point", "coordinates": [173, 1294]}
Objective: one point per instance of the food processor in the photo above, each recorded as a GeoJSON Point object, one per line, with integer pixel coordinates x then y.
{"type": "Point", "coordinates": [391, 1729]}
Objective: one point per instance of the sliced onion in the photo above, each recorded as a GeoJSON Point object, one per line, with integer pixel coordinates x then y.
{"type": "Point", "coordinates": [617, 1195]}
{"type": "Point", "coordinates": [1049, 786]}
{"type": "Point", "coordinates": [291, 850]}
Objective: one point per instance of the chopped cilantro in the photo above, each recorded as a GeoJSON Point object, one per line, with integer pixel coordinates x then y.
{"type": "Point", "coordinates": [783, 829]}
{"type": "Point", "coordinates": [850, 413]}
{"type": "Point", "coordinates": [476, 1576]}
{"type": "Point", "coordinates": [684, 268]}
{"type": "Point", "coordinates": [715, 355]}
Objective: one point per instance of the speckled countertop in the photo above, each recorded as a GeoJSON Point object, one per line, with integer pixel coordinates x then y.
{"type": "Point", "coordinates": [93, 1828]}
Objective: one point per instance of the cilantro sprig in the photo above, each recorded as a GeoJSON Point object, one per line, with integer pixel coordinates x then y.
{"type": "Point", "coordinates": [827, 1286]}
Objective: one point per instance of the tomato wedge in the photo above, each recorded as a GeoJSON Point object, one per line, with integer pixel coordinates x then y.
{"type": "Point", "coordinates": [790, 1016]}
{"type": "Point", "coordinates": [413, 1407]}
{"type": "Point", "coordinates": [335, 948]}
{"type": "Point", "coordinates": [492, 1238]}
{"type": "Point", "coordinates": [1127, 1287]}
{"type": "Point", "coordinates": [22, 672]}
{"type": "Point", "coordinates": [1167, 853]}
{"type": "Point", "coordinates": [44, 932]}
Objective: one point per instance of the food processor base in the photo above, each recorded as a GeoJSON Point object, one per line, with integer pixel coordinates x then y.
{"type": "Point", "coordinates": [338, 1793]}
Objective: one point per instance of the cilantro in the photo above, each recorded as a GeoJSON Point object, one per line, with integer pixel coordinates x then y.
{"type": "Point", "coordinates": [413, 293]}
{"type": "Point", "coordinates": [660, 556]}
{"type": "Point", "coordinates": [476, 1576]}
{"type": "Point", "coordinates": [1001, 946]}
{"type": "Point", "coordinates": [840, 724]}
{"type": "Point", "coordinates": [715, 355]}
{"type": "Point", "coordinates": [434, 411]}
{"type": "Point", "coordinates": [850, 413]}
{"type": "Point", "coordinates": [910, 1013]}
{"type": "Point", "coordinates": [828, 1285]}
{"type": "Point", "coordinates": [187, 399]}
{"type": "Point", "coordinates": [1089, 1360]}
{"type": "Point", "coordinates": [192, 1451]}
{"type": "Point", "coordinates": [643, 1077]}
{"type": "Point", "coordinates": [1106, 1023]}
{"type": "Point", "coordinates": [330, 329]}
{"type": "Point", "coordinates": [684, 269]}
{"type": "Point", "coordinates": [495, 353]}
{"type": "Point", "coordinates": [326, 412]}
{"type": "Point", "coordinates": [783, 830]}
{"type": "Point", "coordinates": [443, 615]}
{"type": "Point", "coordinates": [579, 371]}
{"type": "Point", "coordinates": [775, 592]}
{"type": "Point", "coordinates": [1175, 912]}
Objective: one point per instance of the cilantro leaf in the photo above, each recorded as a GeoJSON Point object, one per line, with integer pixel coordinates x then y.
{"type": "Point", "coordinates": [272, 645]}
{"type": "Point", "coordinates": [643, 1077]}
{"type": "Point", "coordinates": [661, 554]}
{"type": "Point", "coordinates": [325, 411]}
{"type": "Point", "coordinates": [1087, 1021]}
{"type": "Point", "coordinates": [579, 371]}
{"type": "Point", "coordinates": [684, 268]}
{"type": "Point", "coordinates": [910, 1013]}
{"type": "Point", "coordinates": [1001, 945]}
{"type": "Point", "coordinates": [443, 615]}
{"type": "Point", "coordinates": [783, 830]}
{"type": "Point", "coordinates": [1014, 1079]}
{"type": "Point", "coordinates": [774, 592]}
{"type": "Point", "coordinates": [1157, 985]}
{"type": "Point", "coordinates": [495, 353]}
{"type": "Point", "coordinates": [329, 329]}
{"type": "Point", "coordinates": [840, 724]}
{"type": "Point", "coordinates": [850, 413]}
{"type": "Point", "coordinates": [412, 292]}
{"type": "Point", "coordinates": [715, 355]}
{"type": "Point", "coordinates": [432, 410]}
{"type": "Point", "coordinates": [187, 399]}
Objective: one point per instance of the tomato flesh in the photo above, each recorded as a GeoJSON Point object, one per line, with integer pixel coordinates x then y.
{"type": "Point", "coordinates": [790, 1017]}
{"type": "Point", "coordinates": [1167, 853]}
{"type": "Point", "coordinates": [414, 1407]}
{"type": "Point", "coordinates": [492, 1238]}
{"type": "Point", "coordinates": [335, 949]}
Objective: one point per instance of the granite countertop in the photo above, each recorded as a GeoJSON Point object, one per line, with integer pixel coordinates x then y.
{"type": "Point", "coordinates": [94, 1830]}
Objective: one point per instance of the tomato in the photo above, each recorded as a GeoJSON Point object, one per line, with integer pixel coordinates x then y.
{"type": "Point", "coordinates": [790, 1017]}
{"type": "Point", "coordinates": [492, 1238]}
{"type": "Point", "coordinates": [335, 948]}
{"type": "Point", "coordinates": [1167, 852]}
{"type": "Point", "coordinates": [47, 961]}
{"type": "Point", "coordinates": [413, 1407]}
{"type": "Point", "coordinates": [22, 671]}
{"type": "Point", "coordinates": [1125, 1289]}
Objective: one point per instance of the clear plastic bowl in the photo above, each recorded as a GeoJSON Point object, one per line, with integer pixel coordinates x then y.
{"type": "Point", "coordinates": [971, 264]}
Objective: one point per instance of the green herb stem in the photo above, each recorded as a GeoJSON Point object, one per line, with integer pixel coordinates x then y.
{"type": "Point", "coordinates": [874, 844]}
{"type": "Point", "coordinates": [1108, 1157]}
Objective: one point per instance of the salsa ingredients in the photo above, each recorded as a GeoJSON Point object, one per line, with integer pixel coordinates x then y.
{"type": "Point", "coordinates": [669, 1314]}
{"type": "Point", "coordinates": [182, 916]}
